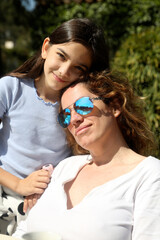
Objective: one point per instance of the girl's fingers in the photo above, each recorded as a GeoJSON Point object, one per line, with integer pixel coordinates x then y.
{"type": "Point", "coordinates": [30, 201]}
{"type": "Point", "coordinates": [25, 206]}
{"type": "Point", "coordinates": [44, 179]}
{"type": "Point", "coordinates": [44, 172]}
{"type": "Point", "coordinates": [41, 185]}
{"type": "Point", "coordinates": [39, 190]}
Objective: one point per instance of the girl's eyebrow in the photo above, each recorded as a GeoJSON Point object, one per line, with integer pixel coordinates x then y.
{"type": "Point", "coordinates": [67, 56]}
{"type": "Point", "coordinates": [60, 49]}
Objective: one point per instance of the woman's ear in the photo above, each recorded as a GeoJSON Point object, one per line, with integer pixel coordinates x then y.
{"type": "Point", "coordinates": [45, 47]}
{"type": "Point", "coordinates": [116, 112]}
{"type": "Point", "coordinates": [115, 107]}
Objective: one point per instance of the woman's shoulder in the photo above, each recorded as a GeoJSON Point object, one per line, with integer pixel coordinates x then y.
{"type": "Point", "coordinates": [149, 168]}
{"type": "Point", "coordinates": [152, 163]}
{"type": "Point", "coordinates": [70, 164]}
{"type": "Point", "coordinates": [147, 178]}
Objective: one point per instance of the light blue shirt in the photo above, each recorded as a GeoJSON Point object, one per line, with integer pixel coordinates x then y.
{"type": "Point", "coordinates": [30, 135]}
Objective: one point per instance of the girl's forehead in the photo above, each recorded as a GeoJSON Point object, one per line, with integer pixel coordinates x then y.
{"type": "Point", "coordinates": [76, 52]}
{"type": "Point", "coordinates": [70, 45]}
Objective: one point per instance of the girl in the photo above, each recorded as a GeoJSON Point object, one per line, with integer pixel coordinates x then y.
{"type": "Point", "coordinates": [30, 136]}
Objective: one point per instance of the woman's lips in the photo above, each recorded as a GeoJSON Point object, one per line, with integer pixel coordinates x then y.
{"type": "Point", "coordinates": [82, 129]}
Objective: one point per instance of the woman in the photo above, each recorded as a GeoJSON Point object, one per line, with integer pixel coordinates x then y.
{"type": "Point", "coordinates": [30, 136]}
{"type": "Point", "coordinates": [112, 193]}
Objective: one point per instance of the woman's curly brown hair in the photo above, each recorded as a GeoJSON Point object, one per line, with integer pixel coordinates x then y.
{"type": "Point", "coordinates": [117, 93]}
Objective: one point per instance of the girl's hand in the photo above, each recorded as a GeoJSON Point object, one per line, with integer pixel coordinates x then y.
{"type": "Point", "coordinates": [35, 183]}
{"type": "Point", "coordinates": [30, 201]}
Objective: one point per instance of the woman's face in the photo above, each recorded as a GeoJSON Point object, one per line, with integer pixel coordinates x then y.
{"type": "Point", "coordinates": [93, 129]}
{"type": "Point", "coordinates": [64, 63]}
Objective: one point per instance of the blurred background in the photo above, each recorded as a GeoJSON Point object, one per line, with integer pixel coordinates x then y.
{"type": "Point", "coordinates": [132, 30]}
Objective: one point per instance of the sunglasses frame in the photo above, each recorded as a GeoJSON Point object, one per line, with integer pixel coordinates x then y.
{"type": "Point", "coordinates": [91, 99]}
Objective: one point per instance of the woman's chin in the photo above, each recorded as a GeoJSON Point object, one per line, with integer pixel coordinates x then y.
{"type": "Point", "coordinates": [85, 146]}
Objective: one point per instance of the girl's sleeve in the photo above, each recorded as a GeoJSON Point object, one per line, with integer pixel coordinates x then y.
{"type": "Point", "coordinates": [2, 98]}
{"type": "Point", "coordinates": [146, 222]}
{"type": "Point", "coordinates": [8, 87]}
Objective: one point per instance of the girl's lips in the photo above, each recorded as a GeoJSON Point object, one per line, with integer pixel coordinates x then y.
{"type": "Point", "coordinates": [57, 78]}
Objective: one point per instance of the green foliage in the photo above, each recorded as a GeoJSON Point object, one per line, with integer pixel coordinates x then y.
{"type": "Point", "coordinates": [144, 13]}
{"type": "Point", "coordinates": [118, 18]}
{"type": "Point", "coordinates": [112, 16]}
{"type": "Point", "coordinates": [13, 27]}
{"type": "Point", "coordinates": [139, 58]}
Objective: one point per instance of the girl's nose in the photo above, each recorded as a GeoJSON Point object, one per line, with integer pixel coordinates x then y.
{"type": "Point", "coordinates": [76, 118]}
{"type": "Point", "coordinates": [65, 69]}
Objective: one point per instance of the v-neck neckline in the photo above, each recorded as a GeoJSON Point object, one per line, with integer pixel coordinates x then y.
{"type": "Point", "coordinates": [101, 185]}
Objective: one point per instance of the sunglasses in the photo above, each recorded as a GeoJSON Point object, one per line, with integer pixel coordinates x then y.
{"type": "Point", "coordinates": [82, 106]}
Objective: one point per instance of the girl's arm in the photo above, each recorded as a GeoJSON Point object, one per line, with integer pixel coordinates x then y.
{"type": "Point", "coordinates": [31, 200]}
{"type": "Point", "coordinates": [36, 182]}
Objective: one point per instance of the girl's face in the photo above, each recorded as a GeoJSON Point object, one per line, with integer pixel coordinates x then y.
{"type": "Point", "coordinates": [95, 129]}
{"type": "Point", "coordinates": [64, 63]}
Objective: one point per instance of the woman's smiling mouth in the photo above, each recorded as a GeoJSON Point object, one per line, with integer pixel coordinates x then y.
{"type": "Point", "coordinates": [82, 129]}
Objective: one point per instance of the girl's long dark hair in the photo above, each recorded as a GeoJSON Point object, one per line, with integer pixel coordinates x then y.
{"type": "Point", "coordinates": [80, 30]}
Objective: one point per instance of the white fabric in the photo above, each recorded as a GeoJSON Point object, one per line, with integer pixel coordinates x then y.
{"type": "Point", "coordinates": [125, 208]}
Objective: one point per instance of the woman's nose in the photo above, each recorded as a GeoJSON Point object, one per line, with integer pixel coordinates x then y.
{"type": "Point", "coordinates": [76, 118]}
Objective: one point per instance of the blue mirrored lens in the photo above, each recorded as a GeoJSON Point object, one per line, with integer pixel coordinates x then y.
{"type": "Point", "coordinates": [64, 117]}
{"type": "Point", "coordinates": [83, 106]}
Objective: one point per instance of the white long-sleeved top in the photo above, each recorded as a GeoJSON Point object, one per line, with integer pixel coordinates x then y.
{"type": "Point", "coordinates": [126, 208]}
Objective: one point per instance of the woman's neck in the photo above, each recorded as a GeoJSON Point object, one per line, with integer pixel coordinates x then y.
{"type": "Point", "coordinates": [113, 149]}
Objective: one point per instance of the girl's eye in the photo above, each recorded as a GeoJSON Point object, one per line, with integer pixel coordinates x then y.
{"type": "Point", "coordinates": [61, 55]}
{"type": "Point", "coordinates": [80, 69]}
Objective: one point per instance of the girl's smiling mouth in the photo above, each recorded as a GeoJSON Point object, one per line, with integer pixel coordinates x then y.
{"type": "Point", "coordinates": [57, 78]}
